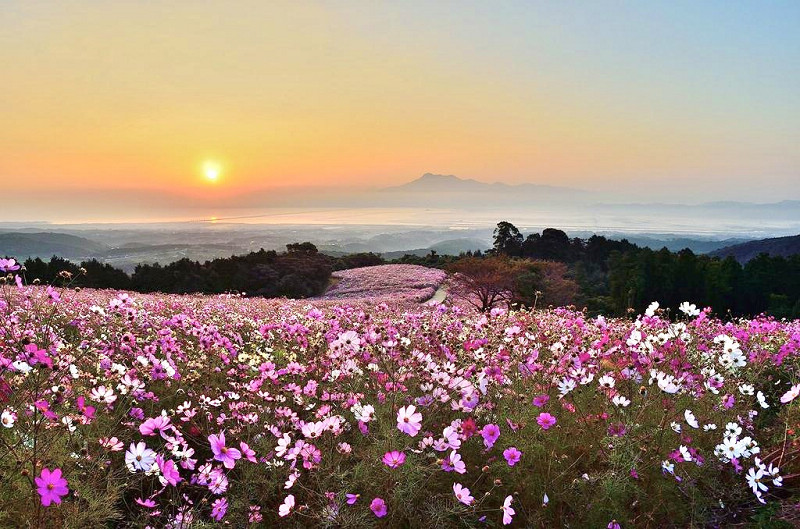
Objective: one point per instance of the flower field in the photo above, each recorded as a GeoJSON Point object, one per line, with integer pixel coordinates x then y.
{"type": "Point", "coordinates": [388, 283]}
{"type": "Point", "coordinates": [175, 411]}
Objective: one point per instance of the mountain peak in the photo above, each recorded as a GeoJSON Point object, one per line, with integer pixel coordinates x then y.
{"type": "Point", "coordinates": [432, 177]}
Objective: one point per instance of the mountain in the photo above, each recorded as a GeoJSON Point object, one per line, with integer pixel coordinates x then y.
{"type": "Point", "coordinates": [436, 190]}
{"type": "Point", "coordinates": [46, 244]}
{"type": "Point", "coordinates": [778, 246]}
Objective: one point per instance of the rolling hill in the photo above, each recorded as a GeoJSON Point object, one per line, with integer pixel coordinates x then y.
{"type": "Point", "coordinates": [782, 246]}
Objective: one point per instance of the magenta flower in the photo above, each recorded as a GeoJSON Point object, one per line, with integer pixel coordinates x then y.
{"type": "Point", "coordinates": [617, 429]}
{"type": "Point", "coordinates": [154, 425]}
{"type": "Point", "coordinates": [490, 433]}
{"type": "Point", "coordinates": [545, 420]}
{"type": "Point", "coordinates": [378, 506]}
{"type": "Point", "coordinates": [512, 455]}
{"type": "Point", "coordinates": [540, 400]}
{"type": "Point", "coordinates": [247, 452]}
{"type": "Point", "coordinates": [409, 421]}
{"type": "Point", "coordinates": [148, 503]}
{"type": "Point", "coordinates": [219, 508]}
{"type": "Point", "coordinates": [169, 472]}
{"type": "Point", "coordinates": [87, 411]}
{"type": "Point", "coordinates": [394, 459]}
{"type": "Point", "coordinates": [352, 498]}
{"type": "Point", "coordinates": [222, 453]}
{"type": "Point", "coordinates": [51, 486]}
{"type": "Point", "coordinates": [8, 265]}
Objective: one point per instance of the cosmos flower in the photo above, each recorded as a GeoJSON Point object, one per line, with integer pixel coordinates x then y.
{"type": "Point", "coordinates": [51, 486]}
{"type": "Point", "coordinates": [394, 459]}
{"type": "Point", "coordinates": [139, 457]}
{"type": "Point", "coordinates": [378, 506]}
{"type": "Point", "coordinates": [490, 433]}
{"type": "Point", "coordinates": [409, 421]}
{"type": "Point", "coordinates": [545, 420]}
{"type": "Point", "coordinates": [154, 426]}
{"type": "Point", "coordinates": [790, 395]}
{"type": "Point", "coordinates": [508, 512]}
{"type": "Point", "coordinates": [219, 508]}
{"type": "Point", "coordinates": [462, 494]}
{"type": "Point", "coordinates": [227, 456]}
{"type": "Point", "coordinates": [287, 506]}
{"type": "Point", "coordinates": [691, 420]}
{"type": "Point", "coordinates": [512, 455]}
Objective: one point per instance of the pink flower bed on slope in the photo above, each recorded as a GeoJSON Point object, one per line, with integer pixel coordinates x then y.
{"type": "Point", "coordinates": [397, 282]}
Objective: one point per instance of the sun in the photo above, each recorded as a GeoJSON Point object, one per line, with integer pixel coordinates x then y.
{"type": "Point", "coordinates": [211, 171]}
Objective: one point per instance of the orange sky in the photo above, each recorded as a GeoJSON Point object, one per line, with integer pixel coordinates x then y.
{"type": "Point", "coordinates": [139, 95]}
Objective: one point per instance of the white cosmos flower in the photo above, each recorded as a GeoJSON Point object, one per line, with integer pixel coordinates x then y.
{"type": "Point", "coordinates": [762, 400]}
{"type": "Point", "coordinates": [565, 385]}
{"type": "Point", "coordinates": [606, 381]}
{"type": "Point", "coordinates": [754, 479]}
{"type": "Point", "coordinates": [691, 420]}
{"type": "Point", "coordinates": [8, 418]}
{"type": "Point", "coordinates": [620, 401]}
{"type": "Point", "coordinates": [733, 430]}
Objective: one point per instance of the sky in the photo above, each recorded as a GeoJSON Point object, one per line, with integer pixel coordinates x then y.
{"type": "Point", "coordinates": [656, 100]}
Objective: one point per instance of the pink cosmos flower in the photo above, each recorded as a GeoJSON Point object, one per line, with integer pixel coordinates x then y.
{"type": "Point", "coordinates": [154, 425]}
{"type": "Point", "coordinates": [8, 265]}
{"type": "Point", "coordinates": [394, 459]}
{"type": "Point", "coordinates": [508, 512]}
{"type": "Point", "coordinates": [247, 452]}
{"type": "Point", "coordinates": [219, 508]}
{"type": "Point", "coordinates": [409, 421]}
{"type": "Point", "coordinates": [287, 506]}
{"type": "Point", "coordinates": [51, 486]}
{"type": "Point", "coordinates": [111, 443]}
{"type": "Point", "coordinates": [462, 494]}
{"type": "Point", "coordinates": [490, 433]}
{"type": "Point", "coordinates": [87, 411]}
{"type": "Point", "coordinates": [222, 453]}
{"type": "Point", "coordinates": [148, 503]}
{"type": "Point", "coordinates": [378, 506]}
{"type": "Point", "coordinates": [512, 455]}
{"type": "Point", "coordinates": [540, 400]}
{"type": "Point", "coordinates": [790, 395]}
{"type": "Point", "coordinates": [169, 472]}
{"type": "Point", "coordinates": [545, 420]}
{"type": "Point", "coordinates": [454, 463]}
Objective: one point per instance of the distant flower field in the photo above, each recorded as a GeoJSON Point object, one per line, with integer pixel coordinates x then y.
{"type": "Point", "coordinates": [390, 283]}
{"type": "Point", "coordinates": [201, 411]}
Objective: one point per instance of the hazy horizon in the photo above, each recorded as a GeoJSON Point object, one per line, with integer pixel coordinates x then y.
{"type": "Point", "coordinates": [121, 111]}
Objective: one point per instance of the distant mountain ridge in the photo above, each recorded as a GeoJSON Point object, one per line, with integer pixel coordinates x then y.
{"type": "Point", "coordinates": [451, 183]}
{"type": "Point", "coordinates": [777, 246]}
{"type": "Point", "coordinates": [46, 244]}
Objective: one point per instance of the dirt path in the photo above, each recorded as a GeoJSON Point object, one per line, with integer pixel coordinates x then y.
{"type": "Point", "coordinates": [440, 295]}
